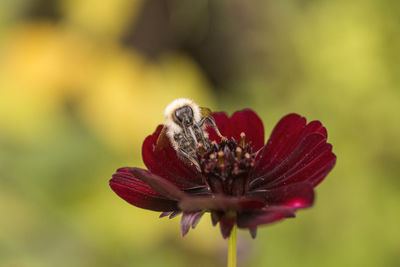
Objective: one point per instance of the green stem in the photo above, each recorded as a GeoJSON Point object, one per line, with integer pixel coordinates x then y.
{"type": "Point", "coordinates": [232, 248]}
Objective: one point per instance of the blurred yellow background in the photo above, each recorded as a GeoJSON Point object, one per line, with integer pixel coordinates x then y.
{"type": "Point", "coordinates": [82, 83]}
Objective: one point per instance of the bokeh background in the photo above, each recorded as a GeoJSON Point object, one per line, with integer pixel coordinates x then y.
{"type": "Point", "coordinates": [82, 83]}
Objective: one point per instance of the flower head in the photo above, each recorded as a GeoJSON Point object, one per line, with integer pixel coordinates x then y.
{"type": "Point", "coordinates": [240, 180]}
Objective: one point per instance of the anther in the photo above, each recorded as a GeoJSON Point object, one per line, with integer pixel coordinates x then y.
{"type": "Point", "coordinates": [214, 144]}
{"type": "Point", "coordinates": [247, 155]}
{"type": "Point", "coordinates": [238, 152]}
{"type": "Point", "coordinates": [200, 148]}
{"type": "Point", "coordinates": [212, 156]}
{"type": "Point", "coordinates": [242, 139]}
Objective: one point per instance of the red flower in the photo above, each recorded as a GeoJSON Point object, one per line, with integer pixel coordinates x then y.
{"type": "Point", "coordinates": [242, 181]}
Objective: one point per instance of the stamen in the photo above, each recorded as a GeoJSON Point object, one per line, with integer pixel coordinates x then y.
{"type": "Point", "coordinates": [200, 148]}
{"type": "Point", "coordinates": [214, 144]}
{"type": "Point", "coordinates": [221, 158]}
{"type": "Point", "coordinates": [242, 139]}
{"type": "Point", "coordinates": [238, 152]}
{"type": "Point", "coordinates": [225, 162]}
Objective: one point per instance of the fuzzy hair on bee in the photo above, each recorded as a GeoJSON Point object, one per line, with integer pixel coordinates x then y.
{"type": "Point", "coordinates": [171, 121]}
{"type": "Point", "coordinates": [184, 128]}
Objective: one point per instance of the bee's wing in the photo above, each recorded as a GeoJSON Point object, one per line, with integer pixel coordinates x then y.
{"type": "Point", "coordinates": [162, 140]}
{"type": "Point", "coordinates": [205, 112]}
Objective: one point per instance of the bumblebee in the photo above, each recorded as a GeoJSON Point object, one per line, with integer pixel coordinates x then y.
{"type": "Point", "coordinates": [184, 127]}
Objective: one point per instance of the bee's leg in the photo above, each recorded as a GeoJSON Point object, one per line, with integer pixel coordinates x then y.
{"type": "Point", "coordinates": [185, 130]}
{"type": "Point", "coordinates": [193, 135]}
{"type": "Point", "coordinates": [189, 158]}
{"type": "Point", "coordinates": [212, 122]}
{"type": "Point", "coordinates": [203, 139]}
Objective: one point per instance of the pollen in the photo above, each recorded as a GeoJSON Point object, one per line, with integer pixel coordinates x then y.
{"type": "Point", "coordinates": [229, 164]}
{"type": "Point", "coordinates": [200, 148]}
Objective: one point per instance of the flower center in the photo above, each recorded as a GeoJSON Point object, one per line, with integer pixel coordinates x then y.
{"type": "Point", "coordinates": [226, 166]}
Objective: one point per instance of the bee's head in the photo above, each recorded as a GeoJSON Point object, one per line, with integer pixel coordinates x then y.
{"type": "Point", "coordinates": [184, 116]}
{"type": "Point", "coordinates": [181, 112]}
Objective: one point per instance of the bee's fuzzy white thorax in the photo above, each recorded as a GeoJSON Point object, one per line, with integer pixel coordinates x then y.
{"type": "Point", "coordinates": [170, 109]}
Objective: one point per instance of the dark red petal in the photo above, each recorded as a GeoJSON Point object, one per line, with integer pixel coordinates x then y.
{"type": "Point", "coordinates": [165, 214]}
{"type": "Point", "coordinates": [220, 203]}
{"type": "Point", "coordinates": [201, 190]}
{"type": "Point", "coordinates": [267, 215]}
{"type": "Point", "coordinates": [316, 127]}
{"type": "Point", "coordinates": [314, 171]}
{"type": "Point", "coordinates": [171, 214]}
{"type": "Point", "coordinates": [215, 217]}
{"type": "Point", "coordinates": [139, 194]}
{"type": "Point", "coordinates": [226, 223]}
{"type": "Point", "coordinates": [323, 172]}
{"type": "Point", "coordinates": [158, 184]}
{"type": "Point", "coordinates": [253, 232]}
{"type": "Point", "coordinates": [190, 219]}
{"type": "Point", "coordinates": [311, 147]}
{"type": "Point", "coordinates": [322, 150]}
{"type": "Point", "coordinates": [223, 125]}
{"type": "Point", "coordinates": [174, 214]}
{"type": "Point", "coordinates": [165, 163]}
{"type": "Point", "coordinates": [247, 121]}
{"type": "Point", "coordinates": [282, 149]}
{"type": "Point", "coordinates": [283, 136]}
{"type": "Point", "coordinates": [299, 195]}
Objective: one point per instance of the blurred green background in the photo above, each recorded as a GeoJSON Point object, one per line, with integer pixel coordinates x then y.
{"type": "Point", "coordinates": [82, 83]}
